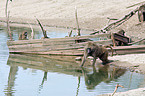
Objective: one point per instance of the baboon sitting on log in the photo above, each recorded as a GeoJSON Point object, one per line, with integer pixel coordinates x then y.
{"type": "Point", "coordinates": [23, 36]}
{"type": "Point", "coordinates": [96, 51]}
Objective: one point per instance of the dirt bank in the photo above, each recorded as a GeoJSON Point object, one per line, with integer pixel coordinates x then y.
{"type": "Point", "coordinates": [92, 14]}
{"type": "Point", "coordinates": [135, 92]}
{"type": "Point", "coordinates": [135, 62]}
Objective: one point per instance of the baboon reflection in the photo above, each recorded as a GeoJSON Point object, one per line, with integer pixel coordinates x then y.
{"type": "Point", "coordinates": [103, 74]}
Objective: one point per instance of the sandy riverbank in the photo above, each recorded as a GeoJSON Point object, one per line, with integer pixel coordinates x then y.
{"type": "Point", "coordinates": [92, 14]}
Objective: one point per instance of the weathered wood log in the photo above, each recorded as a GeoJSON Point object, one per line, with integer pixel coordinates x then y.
{"type": "Point", "coordinates": [53, 46]}
{"type": "Point", "coordinates": [136, 41]}
{"type": "Point", "coordinates": [65, 46]}
{"type": "Point", "coordinates": [120, 50]}
{"type": "Point", "coordinates": [44, 41]}
{"type": "Point", "coordinates": [70, 33]}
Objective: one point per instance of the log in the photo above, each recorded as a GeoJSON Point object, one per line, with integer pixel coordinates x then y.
{"type": "Point", "coordinates": [136, 41]}
{"type": "Point", "coordinates": [121, 50]}
{"type": "Point", "coordinates": [54, 46]}
{"type": "Point", "coordinates": [35, 41]}
{"type": "Point", "coordinates": [116, 23]}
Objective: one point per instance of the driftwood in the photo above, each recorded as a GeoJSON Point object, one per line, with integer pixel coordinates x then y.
{"type": "Point", "coordinates": [54, 46]}
{"type": "Point", "coordinates": [77, 22]}
{"type": "Point", "coordinates": [32, 31]}
{"type": "Point", "coordinates": [8, 26]}
{"type": "Point", "coordinates": [136, 42]}
{"type": "Point", "coordinates": [135, 4]}
{"type": "Point", "coordinates": [70, 33]}
{"type": "Point", "coordinates": [116, 23]}
{"type": "Point", "coordinates": [6, 9]}
{"type": "Point", "coordinates": [7, 17]}
{"type": "Point", "coordinates": [116, 88]}
{"type": "Point", "coordinates": [41, 26]}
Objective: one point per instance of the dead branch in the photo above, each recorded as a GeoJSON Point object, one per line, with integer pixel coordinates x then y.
{"type": "Point", "coordinates": [109, 19]}
{"type": "Point", "coordinates": [6, 9]}
{"type": "Point", "coordinates": [8, 26]}
{"type": "Point", "coordinates": [7, 19]}
{"type": "Point", "coordinates": [135, 4]}
{"type": "Point", "coordinates": [136, 41]}
{"type": "Point", "coordinates": [70, 33]}
{"type": "Point", "coordinates": [117, 88]}
{"type": "Point", "coordinates": [44, 31]}
{"type": "Point", "coordinates": [117, 22]}
{"type": "Point", "coordinates": [77, 22]}
{"type": "Point", "coordinates": [32, 31]}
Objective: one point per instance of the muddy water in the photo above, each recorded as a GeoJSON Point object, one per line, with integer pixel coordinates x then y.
{"type": "Point", "coordinates": [25, 75]}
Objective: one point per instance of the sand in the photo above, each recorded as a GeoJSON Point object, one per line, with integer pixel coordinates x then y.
{"type": "Point", "coordinates": [92, 15]}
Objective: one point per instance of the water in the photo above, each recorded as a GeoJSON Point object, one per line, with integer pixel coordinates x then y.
{"type": "Point", "coordinates": [25, 75]}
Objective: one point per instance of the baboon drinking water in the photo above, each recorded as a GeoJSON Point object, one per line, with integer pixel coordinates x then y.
{"type": "Point", "coordinates": [23, 36]}
{"type": "Point", "coordinates": [96, 51]}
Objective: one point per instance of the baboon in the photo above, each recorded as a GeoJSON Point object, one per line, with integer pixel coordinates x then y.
{"type": "Point", "coordinates": [23, 36]}
{"type": "Point", "coordinates": [96, 51]}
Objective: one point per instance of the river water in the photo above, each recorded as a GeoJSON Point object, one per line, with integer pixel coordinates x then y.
{"type": "Point", "coordinates": [28, 75]}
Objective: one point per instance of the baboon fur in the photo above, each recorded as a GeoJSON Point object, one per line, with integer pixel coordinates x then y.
{"type": "Point", "coordinates": [96, 51]}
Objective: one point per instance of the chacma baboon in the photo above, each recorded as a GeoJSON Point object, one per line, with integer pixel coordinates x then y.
{"type": "Point", "coordinates": [23, 36]}
{"type": "Point", "coordinates": [96, 51]}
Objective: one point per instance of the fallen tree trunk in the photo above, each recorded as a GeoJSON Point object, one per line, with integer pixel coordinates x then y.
{"type": "Point", "coordinates": [116, 23]}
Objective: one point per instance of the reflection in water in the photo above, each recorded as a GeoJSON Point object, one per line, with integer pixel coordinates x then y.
{"type": "Point", "coordinates": [44, 79]}
{"type": "Point", "coordinates": [67, 67]}
{"type": "Point", "coordinates": [11, 80]}
{"type": "Point", "coordinates": [61, 69]}
{"type": "Point", "coordinates": [103, 74]}
{"type": "Point", "coordinates": [79, 80]}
